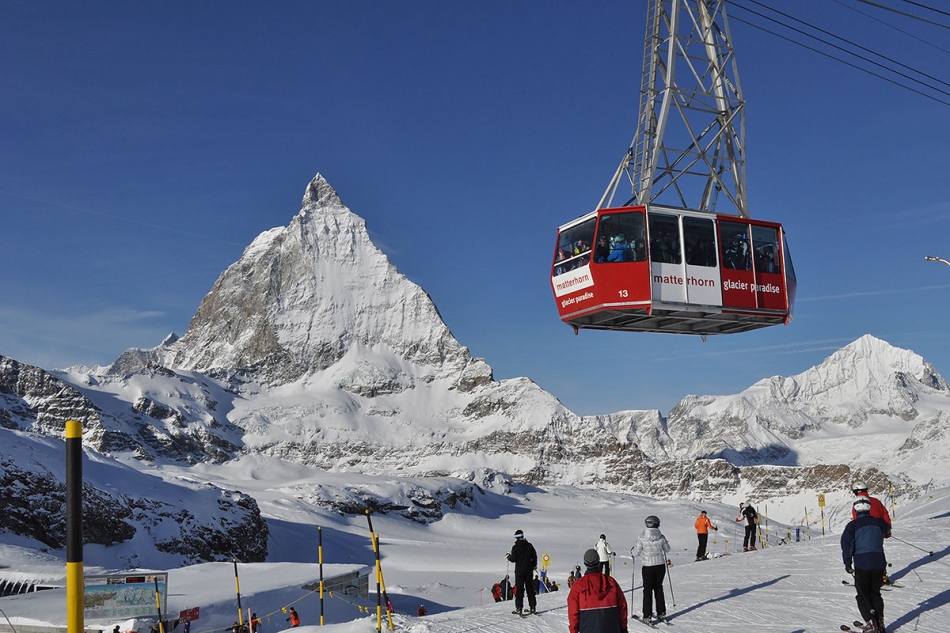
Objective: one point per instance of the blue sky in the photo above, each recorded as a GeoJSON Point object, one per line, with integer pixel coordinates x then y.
{"type": "Point", "coordinates": [144, 145]}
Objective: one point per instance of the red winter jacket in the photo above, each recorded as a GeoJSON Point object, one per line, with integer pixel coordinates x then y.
{"type": "Point", "coordinates": [596, 605]}
{"type": "Point", "coordinates": [877, 508]}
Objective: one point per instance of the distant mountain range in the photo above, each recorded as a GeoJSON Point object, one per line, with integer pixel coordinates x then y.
{"type": "Point", "coordinates": [313, 348]}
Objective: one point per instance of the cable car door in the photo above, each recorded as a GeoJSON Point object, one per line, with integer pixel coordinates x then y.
{"type": "Point", "coordinates": [702, 261]}
{"type": "Point", "coordinates": [666, 258]}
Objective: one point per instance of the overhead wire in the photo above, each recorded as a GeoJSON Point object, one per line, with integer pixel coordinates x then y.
{"type": "Point", "coordinates": [842, 49]}
{"type": "Point", "coordinates": [849, 42]}
{"type": "Point", "coordinates": [843, 61]}
{"type": "Point", "coordinates": [905, 14]}
{"type": "Point", "coordinates": [891, 26]}
{"type": "Point", "coordinates": [924, 6]}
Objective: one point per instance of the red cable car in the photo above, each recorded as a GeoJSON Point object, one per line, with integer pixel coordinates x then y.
{"type": "Point", "coordinates": [658, 269]}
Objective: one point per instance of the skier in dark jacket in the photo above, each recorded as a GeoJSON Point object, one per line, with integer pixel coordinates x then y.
{"type": "Point", "coordinates": [750, 518]}
{"type": "Point", "coordinates": [506, 590]}
{"type": "Point", "coordinates": [596, 603]}
{"type": "Point", "coordinates": [525, 558]}
{"type": "Point", "coordinates": [862, 551]}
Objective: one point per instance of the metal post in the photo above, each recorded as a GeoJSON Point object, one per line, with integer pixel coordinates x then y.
{"type": "Point", "coordinates": [158, 606]}
{"type": "Point", "coordinates": [320, 559]}
{"type": "Point", "coordinates": [380, 581]}
{"type": "Point", "coordinates": [74, 572]}
{"type": "Point", "coordinates": [237, 588]}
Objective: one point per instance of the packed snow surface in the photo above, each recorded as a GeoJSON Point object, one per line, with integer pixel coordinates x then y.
{"type": "Point", "coordinates": [450, 565]}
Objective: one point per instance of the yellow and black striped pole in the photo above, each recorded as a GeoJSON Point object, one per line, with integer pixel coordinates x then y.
{"type": "Point", "coordinates": [379, 574]}
{"type": "Point", "coordinates": [320, 559]}
{"type": "Point", "coordinates": [237, 588]}
{"type": "Point", "coordinates": [74, 577]}
{"type": "Point", "coordinates": [380, 581]}
{"type": "Point", "coordinates": [158, 607]}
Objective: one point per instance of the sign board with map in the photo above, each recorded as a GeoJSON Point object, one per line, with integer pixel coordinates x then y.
{"type": "Point", "coordinates": [123, 595]}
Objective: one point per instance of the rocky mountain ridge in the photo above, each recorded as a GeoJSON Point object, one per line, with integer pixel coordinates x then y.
{"type": "Point", "coordinates": [312, 348]}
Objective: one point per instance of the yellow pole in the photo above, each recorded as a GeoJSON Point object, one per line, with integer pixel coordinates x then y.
{"type": "Point", "coordinates": [379, 575]}
{"type": "Point", "coordinates": [237, 588]}
{"type": "Point", "coordinates": [320, 559]}
{"type": "Point", "coordinates": [158, 606]}
{"type": "Point", "coordinates": [382, 581]}
{"type": "Point", "coordinates": [74, 574]}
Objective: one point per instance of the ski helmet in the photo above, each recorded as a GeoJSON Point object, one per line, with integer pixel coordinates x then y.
{"type": "Point", "coordinates": [591, 558]}
{"type": "Point", "coordinates": [652, 521]}
{"type": "Point", "coordinates": [519, 534]}
{"type": "Point", "coordinates": [861, 504]}
{"type": "Point", "coordinates": [603, 536]}
{"type": "Point", "coordinates": [859, 486]}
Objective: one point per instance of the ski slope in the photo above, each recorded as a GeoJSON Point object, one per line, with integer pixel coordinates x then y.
{"type": "Point", "coordinates": [450, 565]}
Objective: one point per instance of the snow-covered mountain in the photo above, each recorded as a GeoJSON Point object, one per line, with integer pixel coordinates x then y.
{"type": "Point", "coordinates": [867, 386]}
{"type": "Point", "coordinates": [313, 349]}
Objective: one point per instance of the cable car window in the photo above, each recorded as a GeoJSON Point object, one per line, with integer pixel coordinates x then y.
{"type": "Point", "coordinates": [765, 248]}
{"type": "Point", "coordinates": [735, 245]}
{"type": "Point", "coordinates": [700, 240]}
{"type": "Point", "coordinates": [665, 239]}
{"type": "Point", "coordinates": [573, 247]}
{"type": "Point", "coordinates": [621, 237]}
{"type": "Point", "coordinates": [789, 269]}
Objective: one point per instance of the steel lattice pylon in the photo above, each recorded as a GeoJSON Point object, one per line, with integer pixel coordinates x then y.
{"type": "Point", "coordinates": [689, 149]}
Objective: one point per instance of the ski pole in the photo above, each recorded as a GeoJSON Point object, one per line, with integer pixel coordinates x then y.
{"type": "Point", "coordinates": [633, 577]}
{"type": "Point", "coordinates": [669, 576]}
{"type": "Point", "coordinates": [929, 553]}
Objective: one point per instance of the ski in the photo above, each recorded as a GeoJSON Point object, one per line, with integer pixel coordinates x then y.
{"type": "Point", "coordinates": [883, 587]}
{"type": "Point", "coordinates": [641, 621]}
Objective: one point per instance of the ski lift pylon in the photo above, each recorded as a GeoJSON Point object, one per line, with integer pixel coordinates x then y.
{"type": "Point", "coordinates": [667, 260]}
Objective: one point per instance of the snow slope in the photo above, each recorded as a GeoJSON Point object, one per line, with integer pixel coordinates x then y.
{"type": "Point", "coordinates": [449, 565]}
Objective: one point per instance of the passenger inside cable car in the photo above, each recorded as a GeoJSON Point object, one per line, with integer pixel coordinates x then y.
{"type": "Point", "coordinates": [573, 249]}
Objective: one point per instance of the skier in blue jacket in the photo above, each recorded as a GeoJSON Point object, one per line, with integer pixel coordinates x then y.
{"type": "Point", "coordinates": [862, 551]}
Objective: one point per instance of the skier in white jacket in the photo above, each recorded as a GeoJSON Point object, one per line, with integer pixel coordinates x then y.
{"type": "Point", "coordinates": [604, 552]}
{"type": "Point", "coordinates": [651, 548]}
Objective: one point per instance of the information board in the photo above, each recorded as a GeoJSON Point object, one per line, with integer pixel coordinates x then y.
{"type": "Point", "coordinates": [123, 595]}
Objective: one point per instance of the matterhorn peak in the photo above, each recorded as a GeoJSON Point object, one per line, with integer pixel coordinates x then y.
{"type": "Point", "coordinates": [302, 295]}
{"type": "Point", "coordinates": [319, 193]}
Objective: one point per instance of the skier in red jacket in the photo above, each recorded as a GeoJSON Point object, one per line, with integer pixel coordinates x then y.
{"type": "Point", "coordinates": [596, 603]}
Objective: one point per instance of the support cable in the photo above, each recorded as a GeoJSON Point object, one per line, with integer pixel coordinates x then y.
{"type": "Point", "coordinates": [838, 59]}
{"type": "Point", "coordinates": [844, 50]}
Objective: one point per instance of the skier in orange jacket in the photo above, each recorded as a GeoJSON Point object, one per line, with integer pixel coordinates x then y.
{"type": "Point", "coordinates": [703, 525]}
